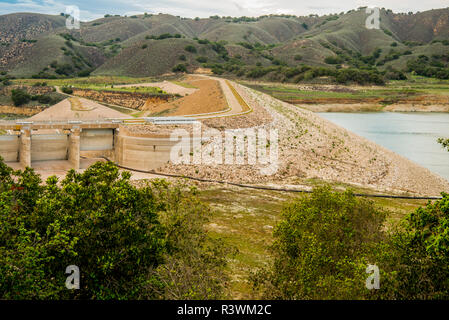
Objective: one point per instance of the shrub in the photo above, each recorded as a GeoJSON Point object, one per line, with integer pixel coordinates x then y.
{"type": "Point", "coordinates": [182, 57]}
{"type": "Point", "coordinates": [45, 99]}
{"type": "Point", "coordinates": [128, 242]}
{"type": "Point", "coordinates": [278, 62]}
{"type": "Point", "coordinates": [322, 247]}
{"type": "Point", "coordinates": [84, 73]}
{"type": "Point", "coordinates": [298, 57]}
{"type": "Point", "coordinates": [190, 49]}
{"type": "Point", "coordinates": [67, 90]}
{"type": "Point", "coordinates": [65, 69]}
{"type": "Point", "coordinates": [359, 76]}
{"type": "Point", "coordinates": [19, 97]}
{"type": "Point", "coordinates": [180, 68]}
{"type": "Point", "coordinates": [333, 60]}
{"type": "Point", "coordinates": [202, 59]}
{"type": "Point", "coordinates": [444, 143]}
{"type": "Point", "coordinates": [417, 265]}
{"type": "Point", "coordinates": [144, 46]}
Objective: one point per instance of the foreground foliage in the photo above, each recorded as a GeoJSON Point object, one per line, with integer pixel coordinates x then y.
{"type": "Point", "coordinates": [126, 241]}
{"type": "Point", "coordinates": [326, 241]}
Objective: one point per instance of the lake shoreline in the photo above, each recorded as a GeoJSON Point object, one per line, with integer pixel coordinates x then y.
{"type": "Point", "coordinates": [413, 135]}
{"type": "Point", "coordinates": [366, 107]}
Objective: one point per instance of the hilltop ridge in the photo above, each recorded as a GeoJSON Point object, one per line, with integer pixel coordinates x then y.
{"type": "Point", "coordinates": [36, 45]}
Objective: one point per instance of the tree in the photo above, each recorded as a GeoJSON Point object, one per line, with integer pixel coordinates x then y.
{"type": "Point", "coordinates": [202, 59]}
{"type": "Point", "coordinates": [322, 248]}
{"type": "Point", "coordinates": [444, 143]}
{"type": "Point", "coordinates": [95, 220]}
{"type": "Point", "coordinates": [180, 68]}
{"type": "Point", "coordinates": [333, 60]}
{"type": "Point", "coordinates": [190, 49]}
{"type": "Point", "coordinates": [67, 90]}
{"type": "Point", "coordinates": [416, 264]}
{"type": "Point", "coordinates": [325, 242]}
{"type": "Point", "coordinates": [20, 97]}
{"type": "Point", "coordinates": [194, 262]}
{"type": "Point", "coordinates": [126, 241]}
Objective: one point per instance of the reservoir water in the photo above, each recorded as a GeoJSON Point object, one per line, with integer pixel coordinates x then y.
{"type": "Point", "coordinates": [412, 135]}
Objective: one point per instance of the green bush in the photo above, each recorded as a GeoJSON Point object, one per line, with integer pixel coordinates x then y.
{"type": "Point", "coordinates": [65, 69]}
{"type": "Point", "coordinates": [417, 255]}
{"type": "Point", "coordinates": [333, 60]}
{"type": "Point", "coordinates": [359, 76]}
{"type": "Point", "coordinates": [20, 97]}
{"type": "Point", "coordinates": [322, 247]}
{"type": "Point", "coordinates": [84, 73]}
{"type": "Point", "coordinates": [326, 240]}
{"type": "Point", "coordinates": [45, 99]}
{"type": "Point", "coordinates": [202, 59]}
{"type": "Point", "coordinates": [190, 49]}
{"type": "Point", "coordinates": [67, 90]}
{"type": "Point", "coordinates": [180, 68]}
{"type": "Point", "coordinates": [128, 242]}
{"type": "Point", "coordinates": [444, 143]}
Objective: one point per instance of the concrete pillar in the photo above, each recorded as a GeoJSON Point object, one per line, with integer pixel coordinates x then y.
{"type": "Point", "coordinates": [25, 148]}
{"type": "Point", "coordinates": [74, 148]}
{"type": "Point", "coordinates": [118, 147]}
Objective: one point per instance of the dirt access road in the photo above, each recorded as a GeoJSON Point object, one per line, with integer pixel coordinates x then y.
{"type": "Point", "coordinates": [235, 107]}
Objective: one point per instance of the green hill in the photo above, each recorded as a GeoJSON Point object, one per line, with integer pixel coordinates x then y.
{"type": "Point", "coordinates": [148, 45]}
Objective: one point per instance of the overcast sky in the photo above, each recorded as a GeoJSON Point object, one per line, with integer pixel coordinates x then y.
{"type": "Point", "coordinates": [92, 9]}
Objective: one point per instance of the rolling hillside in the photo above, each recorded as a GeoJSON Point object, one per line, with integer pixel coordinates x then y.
{"type": "Point", "coordinates": [147, 45]}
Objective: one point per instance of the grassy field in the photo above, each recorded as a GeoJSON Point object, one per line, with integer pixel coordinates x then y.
{"type": "Point", "coordinates": [184, 84]}
{"type": "Point", "coordinates": [245, 218]}
{"type": "Point", "coordinates": [4, 116]}
{"type": "Point", "coordinates": [395, 91]}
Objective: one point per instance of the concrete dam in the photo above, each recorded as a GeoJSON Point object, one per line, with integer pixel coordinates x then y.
{"type": "Point", "coordinates": [27, 144]}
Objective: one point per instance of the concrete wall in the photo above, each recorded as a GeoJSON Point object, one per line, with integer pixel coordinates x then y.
{"type": "Point", "coordinates": [9, 148]}
{"type": "Point", "coordinates": [97, 139]}
{"type": "Point", "coordinates": [49, 147]}
{"type": "Point", "coordinates": [142, 153]}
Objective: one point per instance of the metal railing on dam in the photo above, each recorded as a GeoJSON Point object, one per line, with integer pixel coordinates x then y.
{"type": "Point", "coordinates": [91, 124]}
{"type": "Point", "coordinates": [60, 124]}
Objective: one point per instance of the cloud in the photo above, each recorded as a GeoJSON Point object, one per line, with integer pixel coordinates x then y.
{"type": "Point", "coordinates": [205, 8]}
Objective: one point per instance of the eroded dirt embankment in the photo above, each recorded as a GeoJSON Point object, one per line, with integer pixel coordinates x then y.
{"type": "Point", "coordinates": [134, 100]}
{"type": "Point", "coordinates": [208, 98]}
{"type": "Point", "coordinates": [21, 111]}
